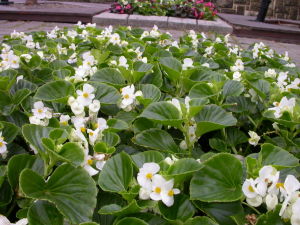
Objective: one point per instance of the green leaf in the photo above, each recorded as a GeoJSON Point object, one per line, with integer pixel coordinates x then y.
{"type": "Point", "coordinates": [277, 157]}
{"type": "Point", "coordinates": [44, 213]}
{"type": "Point", "coordinates": [150, 92]}
{"type": "Point", "coordinates": [232, 88]}
{"type": "Point", "coordinates": [213, 117]}
{"type": "Point", "coordinates": [228, 213]}
{"type": "Point", "coordinates": [182, 209]}
{"type": "Point", "coordinates": [71, 189]}
{"type": "Point", "coordinates": [35, 61]}
{"type": "Point", "coordinates": [235, 136]}
{"type": "Point", "coordinates": [164, 113]}
{"type": "Point", "coordinates": [57, 91]}
{"type": "Point", "coordinates": [73, 153]}
{"type": "Point", "coordinates": [271, 217]}
{"type": "Point", "coordinates": [156, 139]}
{"type": "Point", "coordinates": [203, 220]}
{"type": "Point", "coordinates": [109, 75]}
{"type": "Point", "coordinates": [172, 67]}
{"type": "Point", "coordinates": [18, 163]}
{"type": "Point", "coordinates": [262, 87]}
{"type": "Point", "coordinates": [34, 134]}
{"type": "Point", "coordinates": [201, 90]}
{"type": "Point", "coordinates": [148, 156]}
{"type": "Point", "coordinates": [183, 169]}
{"type": "Point", "coordinates": [219, 180]}
{"type": "Point", "coordinates": [131, 220]}
{"type": "Point", "coordinates": [106, 94]}
{"type": "Point", "coordinates": [117, 210]}
{"type": "Point", "coordinates": [116, 173]}
{"type": "Point", "coordinates": [117, 125]}
{"type": "Point", "coordinates": [9, 132]}
{"type": "Point", "coordinates": [6, 192]}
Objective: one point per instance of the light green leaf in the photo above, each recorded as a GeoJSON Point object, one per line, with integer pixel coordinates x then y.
{"type": "Point", "coordinates": [131, 220]}
{"type": "Point", "coordinates": [201, 90]}
{"type": "Point", "coordinates": [203, 220]}
{"type": "Point", "coordinates": [108, 75]}
{"type": "Point", "coordinates": [213, 117]}
{"type": "Point", "coordinates": [116, 173]}
{"type": "Point", "coordinates": [71, 189]}
{"type": "Point", "coordinates": [156, 139]}
{"type": "Point", "coordinates": [9, 131]}
{"type": "Point", "coordinates": [117, 210]}
{"type": "Point", "coordinates": [271, 217]}
{"type": "Point", "coordinates": [57, 91]}
{"type": "Point", "coordinates": [172, 67]}
{"type": "Point", "coordinates": [219, 180]}
{"type": "Point", "coordinates": [232, 88]}
{"type": "Point", "coordinates": [106, 94]}
{"type": "Point", "coordinates": [164, 113]}
{"type": "Point", "coordinates": [148, 156]}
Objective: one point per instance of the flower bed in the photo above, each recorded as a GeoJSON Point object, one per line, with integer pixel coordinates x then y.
{"type": "Point", "coordinates": [126, 126]}
{"type": "Point", "coordinates": [197, 9]}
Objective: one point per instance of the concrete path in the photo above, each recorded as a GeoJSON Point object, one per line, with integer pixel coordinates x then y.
{"type": "Point", "coordinates": [6, 27]}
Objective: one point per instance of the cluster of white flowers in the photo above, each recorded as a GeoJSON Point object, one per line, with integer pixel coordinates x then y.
{"type": "Point", "coordinates": [285, 105]}
{"type": "Point", "coordinates": [88, 67]}
{"type": "Point", "coordinates": [129, 98]}
{"type": "Point", "coordinates": [9, 59]}
{"type": "Point", "coordinates": [194, 38]}
{"type": "Point", "coordinates": [267, 188]}
{"type": "Point", "coordinates": [285, 84]}
{"type": "Point", "coordinates": [121, 62]}
{"type": "Point", "coordinates": [187, 63]}
{"type": "Point", "coordinates": [41, 114]}
{"type": "Point", "coordinates": [139, 55]}
{"type": "Point", "coordinates": [3, 147]}
{"type": "Point", "coordinates": [154, 186]}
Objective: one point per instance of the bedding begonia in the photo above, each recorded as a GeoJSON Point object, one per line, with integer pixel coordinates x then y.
{"type": "Point", "coordinates": [127, 126]}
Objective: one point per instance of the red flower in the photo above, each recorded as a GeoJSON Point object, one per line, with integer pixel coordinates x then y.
{"type": "Point", "coordinates": [201, 15]}
{"type": "Point", "coordinates": [118, 7]}
{"type": "Point", "coordinates": [199, 1]}
{"type": "Point", "coordinates": [215, 12]}
{"type": "Point", "coordinates": [128, 6]}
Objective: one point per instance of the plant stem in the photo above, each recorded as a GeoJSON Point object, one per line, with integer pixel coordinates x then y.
{"type": "Point", "coordinates": [251, 207]}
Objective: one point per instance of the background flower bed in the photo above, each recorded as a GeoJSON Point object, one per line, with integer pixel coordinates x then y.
{"type": "Point", "coordinates": [126, 126]}
{"type": "Point", "coordinates": [197, 9]}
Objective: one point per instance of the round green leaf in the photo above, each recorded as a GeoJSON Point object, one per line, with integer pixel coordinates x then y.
{"type": "Point", "coordinates": [58, 90]}
{"type": "Point", "coordinates": [108, 75]}
{"type": "Point", "coordinates": [213, 117]}
{"type": "Point", "coordinates": [156, 139]}
{"type": "Point", "coordinates": [131, 220]}
{"type": "Point", "coordinates": [147, 156]}
{"type": "Point", "coordinates": [117, 210]}
{"type": "Point", "coordinates": [71, 189]}
{"type": "Point", "coordinates": [116, 173]}
{"type": "Point", "coordinates": [203, 220]}
{"type": "Point", "coordinates": [163, 112]}
{"type": "Point", "coordinates": [72, 153]}
{"type": "Point", "coordinates": [44, 213]}
{"type": "Point", "coordinates": [232, 88]}
{"type": "Point", "coordinates": [201, 90]}
{"type": "Point", "coordinates": [9, 132]}
{"type": "Point", "coordinates": [106, 94]}
{"type": "Point", "coordinates": [271, 217]}
{"type": "Point", "coordinates": [219, 180]}
{"type": "Point", "coordinates": [171, 66]}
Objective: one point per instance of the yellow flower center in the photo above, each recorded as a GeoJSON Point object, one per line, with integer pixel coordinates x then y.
{"type": "Point", "coordinates": [279, 185]}
{"type": "Point", "coordinates": [276, 103]}
{"type": "Point", "coordinates": [251, 189]}
{"type": "Point", "coordinates": [91, 133]}
{"type": "Point", "coordinates": [149, 175]}
{"type": "Point", "coordinates": [64, 123]}
{"type": "Point", "coordinates": [126, 96]}
{"type": "Point", "coordinates": [83, 129]}
{"type": "Point", "coordinates": [40, 110]}
{"type": "Point", "coordinates": [86, 95]}
{"type": "Point", "coordinates": [171, 193]}
{"type": "Point", "coordinates": [1, 144]}
{"type": "Point", "coordinates": [96, 125]}
{"type": "Point", "coordinates": [157, 190]}
{"type": "Point", "coordinates": [90, 162]}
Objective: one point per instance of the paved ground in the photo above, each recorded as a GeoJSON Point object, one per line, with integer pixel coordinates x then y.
{"type": "Point", "coordinates": [6, 27]}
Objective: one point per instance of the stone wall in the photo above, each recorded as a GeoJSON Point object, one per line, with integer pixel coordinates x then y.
{"type": "Point", "coordinates": [283, 9]}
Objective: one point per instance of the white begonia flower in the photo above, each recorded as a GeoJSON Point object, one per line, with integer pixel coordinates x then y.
{"type": "Point", "coordinates": [158, 183]}
{"type": "Point", "coordinates": [290, 186]}
{"type": "Point", "coordinates": [271, 201]}
{"type": "Point", "coordinates": [183, 145]}
{"type": "Point", "coordinates": [86, 96]}
{"type": "Point", "coordinates": [115, 39]}
{"type": "Point", "coordinates": [94, 107]}
{"type": "Point", "coordinates": [128, 97]}
{"type": "Point", "coordinates": [168, 192]}
{"type": "Point", "coordinates": [254, 138]}
{"type": "Point", "coordinates": [209, 50]}
{"type": "Point", "coordinates": [144, 193]}
{"type": "Point", "coordinates": [187, 63]}
{"type": "Point", "coordinates": [146, 174]}
{"type": "Point", "coordinates": [101, 124]}
{"type": "Point", "coordinates": [271, 73]}
{"type": "Point", "coordinates": [71, 100]}
{"type": "Point", "coordinates": [5, 221]}
{"type": "Point", "coordinates": [79, 123]}
{"type": "Point", "coordinates": [237, 76]}
{"type": "Point", "coordinates": [63, 119]}
{"type": "Point", "coordinates": [206, 65]}
{"type": "Point", "coordinates": [77, 109]}
{"type": "Point", "coordinates": [249, 188]}
{"type": "Point", "coordinates": [285, 105]}
{"type": "Point", "coordinates": [26, 57]}
{"type": "Point", "coordinates": [88, 166]}
{"type": "Point", "coordinates": [290, 65]}
{"type": "Point", "coordinates": [40, 111]}
{"type": "Point", "coordinates": [89, 59]}
{"type": "Point", "coordinates": [295, 218]}
{"type": "Point", "coordinates": [256, 201]}
{"type": "Point", "coordinates": [171, 161]}
{"type": "Point", "coordinates": [175, 44]}
{"type": "Point", "coordinates": [294, 85]}
{"type": "Point", "coordinates": [154, 32]}
{"type": "Point", "coordinates": [269, 174]}
{"type": "Point", "coordinates": [93, 135]}
{"type": "Point", "coordinates": [123, 62]}
{"type": "Point", "coordinates": [238, 66]}
{"type": "Point", "coordinates": [19, 78]}
{"type": "Point", "coordinates": [100, 160]}
{"type": "Point", "coordinates": [218, 40]}
{"type": "Point", "coordinates": [3, 148]}
{"type": "Point", "coordinates": [176, 103]}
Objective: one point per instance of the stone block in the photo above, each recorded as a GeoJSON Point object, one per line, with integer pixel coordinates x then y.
{"type": "Point", "coordinates": [182, 23]}
{"type": "Point", "coordinates": [114, 19]}
{"type": "Point", "coordinates": [240, 9]}
{"type": "Point", "coordinates": [148, 21]}
{"type": "Point", "coordinates": [218, 26]}
{"type": "Point", "coordinates": [225, 3]}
